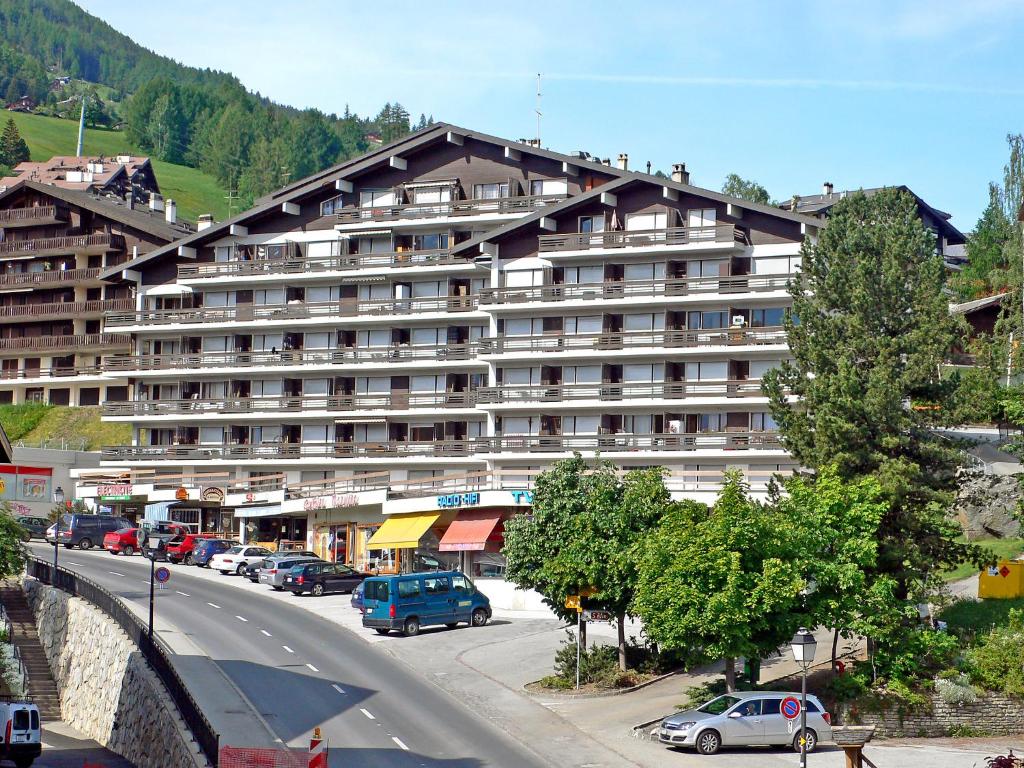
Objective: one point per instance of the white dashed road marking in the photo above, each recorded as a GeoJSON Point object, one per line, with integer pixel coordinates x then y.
{"type": "Point", "coordinates": [116, 573]}
{"type": "Point", "coordinates": [400, 743]}
{"type": "Point", "coordinates": [287, 649]}
{"type": "Point", "coordinates": [214, 605]}
{"type": "Point", "coordinates": [339, 689]}
{"type": "Point", "coordinates": [186, 594]}
{"type": "Point", "coordinates": [266, 633]}
{"type": "Point", "coordinates": [312, 668]}
{"type": "Point", "coordinates": [241, 618]}
{"type": "Point", "coordinates": [367, 714]}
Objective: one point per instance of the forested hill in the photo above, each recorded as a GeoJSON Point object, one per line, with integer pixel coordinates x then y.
{"type": "Point", "coordinates": [196, 117]}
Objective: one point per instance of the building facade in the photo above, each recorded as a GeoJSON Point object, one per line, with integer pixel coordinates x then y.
{"type": "Point", "coordinates": [54, 244]}
{"type": "Point", "coordinates": [378, 361]}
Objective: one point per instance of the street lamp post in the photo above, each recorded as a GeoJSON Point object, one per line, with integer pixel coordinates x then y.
{"type": "Point", "coordinates": [804, 645]}
{"type": "Point", "coordinates": [58, 499]}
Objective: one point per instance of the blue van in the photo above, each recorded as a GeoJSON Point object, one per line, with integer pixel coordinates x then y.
{"type": "Point", "coordinates": [415, 600]}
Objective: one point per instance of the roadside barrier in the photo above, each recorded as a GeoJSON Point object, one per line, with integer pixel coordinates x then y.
{"type": "Point", "coordinates": [268, 757]}
{"type": "Point", "coordinates": [155, 652]}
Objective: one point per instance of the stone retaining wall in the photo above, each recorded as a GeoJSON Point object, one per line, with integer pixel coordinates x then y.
{"type": "Point", "coordinates": [107, 690]}
{"type": "Point", "coordinates": [991, 715]}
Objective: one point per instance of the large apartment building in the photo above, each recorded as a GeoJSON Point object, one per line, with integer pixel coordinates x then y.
{"type": "Point", "coordinates": [54, 244]}
{"type": "Point", "coordinates": [377, 361]}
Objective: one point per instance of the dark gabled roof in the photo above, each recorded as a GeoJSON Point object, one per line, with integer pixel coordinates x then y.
{"type": "Point", "coordinates": [620, 184]}
{"type": "Point", "coordinates": [819, 205]}
{"type": "Point", "coordinates": [437, 132]}
{"type": "Point", "coordinates": [114, 208]}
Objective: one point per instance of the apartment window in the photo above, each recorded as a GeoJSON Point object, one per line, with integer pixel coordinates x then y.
{"type": "Point", "coordinates": [702, 321]}
{"type": "Point", "coordinates": [766, 318]}
{"type": "Point", "coordinates": [762, 422]}
{"type": "Point", "coordinates": [440, 194]}
{"type": "Point", "coordinates": [431, 242]}
{"type": "Point", "coordinates": [701, 222]}
{"type": "Point", "coordinates": [328, 207]}
{"type": "Point", "coordinates": [421, 432]}
{"type": "Point", "coordinates": [549, 187]}
{"type": "Point", "coordinates": [591, 224]}
{"type": "Point", "coordinates": [491, 191]}
{"type": "Point", "coordinates": [376, 198]}
{"type": "Point", "coordinates": [643, 221]}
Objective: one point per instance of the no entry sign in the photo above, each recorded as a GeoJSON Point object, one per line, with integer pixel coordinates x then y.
{"type": "Point", "coordinates": [790, 708]}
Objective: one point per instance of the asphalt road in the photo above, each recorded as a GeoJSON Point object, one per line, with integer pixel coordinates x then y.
{"type": "Point", "coordinates": [298, 671]}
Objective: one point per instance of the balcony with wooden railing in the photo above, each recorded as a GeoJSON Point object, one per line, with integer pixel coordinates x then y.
{"type": "Point", "coordinates": [399, 353]}
{"type": "Point", "coordinates": [669, 237]}
{"type": "Point", "coordinates": [312, 265]}
{"type": "Point", "coordinates": [625, 442]}
{"type": "Point", "coordinates": [36, 216]}
{"type": "Point", "coordinates": [63, 309]}
{"type": "Point", "coordinates": [49, 277]}
{"type": "Point", "coordinates": [281, 405]}
{"type": "Point", "coordinates": [627, 340]}
{"type": "Point", "coordinates": [52, 246]}
{"type": "Point", "coordinates": [299, 310]}
{"type": "Point", "coordinates": [511, 394]}
{"type": "Point", "coordinates": [472, 207]}
{"type": "Point", "coordinates": [70, 342]}
{"type": "Point", "coordinates": [636, 289]}
{"type": "Point", "coordinates": [57, 372]}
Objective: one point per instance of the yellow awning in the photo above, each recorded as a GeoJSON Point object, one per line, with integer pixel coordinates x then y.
{"type": "Point", "coordinates": [402, 531]}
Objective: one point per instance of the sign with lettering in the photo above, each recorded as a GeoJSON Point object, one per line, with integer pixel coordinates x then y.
{"type": "Point", "coordinates": [451, 500]}
{"type": "Point", "coordinates": [115, 491]}
{"type": "Point", "coordinates": [330, 502]}
{"type": "Point", "coordinates": [214, 494]}
{"type": "Point", "coordinates": [522, 497]}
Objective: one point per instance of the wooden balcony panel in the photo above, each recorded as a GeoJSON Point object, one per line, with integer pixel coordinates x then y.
{"type": "Point", "coordinates": [51, 277]}
{"type": "Point", "coordinates": [721, 234]}
{"type": "Point", "coordinates": [37, 216]}
{"type": "Point", "coordinates": [60, 309]}
{"type": "Point", "coordinates": [314, 264]}
{"type": "Point", "coordinates": [624, 340]}
{"type": "Point", "coordinates": [470, 207]}
{"type": "Point", "coordinates": [48, 246]}
{"type": "Point", "coordinates": [631, 442]}
{"type": "Point", "coordinates": [290, 451]}
{"type": "Point", "coordinates": [511, 394]}
{"type": "Point", "coordinates": [76, 342]}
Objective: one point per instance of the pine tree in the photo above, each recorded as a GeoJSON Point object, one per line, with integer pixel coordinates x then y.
{"type": "Point", "coordinates": [869, 328]}
{"type": "Point", "coordinates": [13, 149]}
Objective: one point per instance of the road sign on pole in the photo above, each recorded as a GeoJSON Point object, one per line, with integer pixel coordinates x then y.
{"type": "Point", "coordinates": [594, 615]}
{"type": "Point", "coordinates": [790, 708]}
{"type": "Point", "coordinates": [573, 602]}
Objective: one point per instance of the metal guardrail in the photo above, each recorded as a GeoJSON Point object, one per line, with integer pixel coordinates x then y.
{"type": "Point", "coordinates": [156, 653]}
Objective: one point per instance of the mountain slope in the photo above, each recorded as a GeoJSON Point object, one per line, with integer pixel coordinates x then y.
{"type": "Point", "coordinates": [194, 191]}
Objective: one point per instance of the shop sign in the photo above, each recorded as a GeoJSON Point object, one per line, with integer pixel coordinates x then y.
{"type": "Point", "coordinates": [115, 492]}
{"type": "Point", "coordinates": [250, 497]}
{"type": "Point", "coordinates": [458, 500]}
{"type": "Point", "coordinates": [330, 502]}
{"type": "Point", "coordinates": [522, 497]}
{"type": "Point", "coordinates": [214, 494]}
{"type": "Point", "coordinates": [181, 494]}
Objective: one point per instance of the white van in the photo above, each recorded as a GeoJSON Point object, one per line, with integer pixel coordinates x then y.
{"type": "Point", "coordinates": [21, 739]}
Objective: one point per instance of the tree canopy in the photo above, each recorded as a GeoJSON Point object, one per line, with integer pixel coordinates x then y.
{"type": "Point", "coordinates": [745, 189]}
{"type": "Point", "coordinates": [13, 149]}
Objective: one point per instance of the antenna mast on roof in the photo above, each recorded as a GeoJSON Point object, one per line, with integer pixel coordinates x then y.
{"type": "Point", "coordinates": [537, 110]}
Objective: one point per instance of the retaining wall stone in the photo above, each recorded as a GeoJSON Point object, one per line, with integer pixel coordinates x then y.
{"type": "Point", "coordinates": [991, 715]}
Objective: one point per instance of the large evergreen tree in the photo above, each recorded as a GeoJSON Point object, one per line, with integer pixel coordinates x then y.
{"type": "Point", "coordinates": [13, 149]}
{"type": "Point", "coordinates": [869, 330]}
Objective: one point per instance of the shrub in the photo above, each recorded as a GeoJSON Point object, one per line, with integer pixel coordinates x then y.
{"type": "Point", "coordinates": [964, 731]}
{"type": "Point", "coordinates": [917, 655]}
{"type": "Point", "coordinates": [996, 662]}
{"type": "Point", "coordinates": [847, 687]}
{"type": "Point", "coordinates": [956, 691]}
{"type": "Point", "coordinates": [599, 664]}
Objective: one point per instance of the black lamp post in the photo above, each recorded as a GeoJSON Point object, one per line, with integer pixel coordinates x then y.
{"type": "Point", "coordinates": [58, 499]}
{"type": "Point", "coordinates": [804, 645]}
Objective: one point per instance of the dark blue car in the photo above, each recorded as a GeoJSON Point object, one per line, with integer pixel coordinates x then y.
{"type": "Point", "coordinates": [207, 548]}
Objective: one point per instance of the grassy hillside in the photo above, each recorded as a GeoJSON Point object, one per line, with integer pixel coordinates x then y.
{"type": "Point", "coordinates": [194, 191]}
{"type": "Point", "coordinates": [35, 422]}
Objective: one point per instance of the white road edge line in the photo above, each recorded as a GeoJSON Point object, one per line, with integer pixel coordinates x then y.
{"type": "Point", "coordinates": [241, 618]}
{"type": "Point", "coordinates": [367, 714]}
{"type": "Point", "coordinates": [213, 605]}
{"type": "Point", "coordinates": [287, 649]}
{"type": "Point", "coordinates": [186, 594]}
{"type": "Point", "coordinates": [266, 633]}
{"type": "Point", "coordinates": [400, 743]}
{"type": "Point", "coordinates": [312, 668]}
{"type": "Point", "coordinates": [119, 574]}
{"type": "Point", "coordinates": [339, 689]}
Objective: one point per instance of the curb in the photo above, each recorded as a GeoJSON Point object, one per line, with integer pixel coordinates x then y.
{"type": "Point", "coordinates": [600, 694]}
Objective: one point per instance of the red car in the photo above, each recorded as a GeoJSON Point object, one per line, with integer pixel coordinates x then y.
{"type": "Point", "coordinates": [180, 549]}
{"type": "Point", "coordinates": [124, 541]}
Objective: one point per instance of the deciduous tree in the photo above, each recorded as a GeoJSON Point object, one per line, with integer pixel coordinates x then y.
{"type": "Point", "coordinates": [746, 189]}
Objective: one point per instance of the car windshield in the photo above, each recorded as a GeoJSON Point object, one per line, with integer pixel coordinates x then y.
{"type": "Point", "coordinates": [233, 551]}
{"type": "Point", "coordinates": [297, 569]}
{"type": "Point", "coordinates": [719, 705]}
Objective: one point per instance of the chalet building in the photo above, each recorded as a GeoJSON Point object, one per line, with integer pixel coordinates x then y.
{"type": "Point", "coordinates": [949, 241]}
{"type": "Point", "coordinates": [127, 177]}
{"type": "Point", "coordinates": [54, 245]}
{"type": "Point", "coordinates": [378, 360]}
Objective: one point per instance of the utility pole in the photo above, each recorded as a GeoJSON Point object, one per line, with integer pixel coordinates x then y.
{"type": "Point", "coordinates": [537, 110]}
{"type": "Point", "coordinates": [81, 128]}
{"type": "Point", "coordinates": [231, 196]}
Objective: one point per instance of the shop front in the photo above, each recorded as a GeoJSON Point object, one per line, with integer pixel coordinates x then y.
{"type": "Point", "coordinates": [399, 544]}
{"type": "Point", "coordinates": [337, 525]}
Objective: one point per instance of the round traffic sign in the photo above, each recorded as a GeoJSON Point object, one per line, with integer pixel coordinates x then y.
{"type": "Point", "coordinates": [162, 574]}
{"type": "Point", "coordinates": [790, 708]}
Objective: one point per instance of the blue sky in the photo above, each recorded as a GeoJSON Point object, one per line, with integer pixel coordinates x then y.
{"type": "Point", "coordinates": [792, 94]}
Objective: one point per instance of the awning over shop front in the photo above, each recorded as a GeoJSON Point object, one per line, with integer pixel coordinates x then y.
{"type": "Point", "coordinates": [469, 532]}
{"type": "Point", "coordinates": [269, 510]}
{"type": "Point", "coordinates": [402, 531]}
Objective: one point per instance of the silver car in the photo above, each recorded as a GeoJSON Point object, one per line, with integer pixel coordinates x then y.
{"type": "Point", "coordinates": [745, 718]}
{"type": "Point", "coordinates": [274, 569]}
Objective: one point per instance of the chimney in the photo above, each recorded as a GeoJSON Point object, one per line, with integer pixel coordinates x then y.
{"type": "Point", "coordinates": [607, 161]}
{"type": "Point", "coordinates": [170, 211]}
{"type": "Point", "coordinates": [623, 162]}
{"type": "Point", "coordinates": [679, 173]}
{"type": "Point", "coordinates": [826, 188]}
{"type": "Point", "coordinates": [205, 221]}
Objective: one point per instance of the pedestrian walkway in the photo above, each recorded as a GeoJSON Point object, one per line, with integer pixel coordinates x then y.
{"type": "Point", "coordinates": [41, 686]}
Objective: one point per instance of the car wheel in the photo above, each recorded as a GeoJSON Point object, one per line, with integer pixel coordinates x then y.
{"type": "Point", "coordinates": [296, 592]}
{"type": "Point", "coordinates": [240, 569]}
{"type": "Point", "coordinates": [188, 559]}
{"type": "Point", "coordinates": [84, 544]}
{"type": "Point", "coordinates": [318, 590]}
{"type": "Point", "coordinates": [708, 742]}
{"type": "Point", "coordinates": [129, 550]}
{"type": "Point", "coordinates": [278, 589]}
{"type": "Point", "coordinates": [381, 630]}
{"type": "Point", "coordinates": [411, 627]}
{"type": "Point", "coordinates": [479, 617]}
{"type": "Point", "coordinates": [812, 741]}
